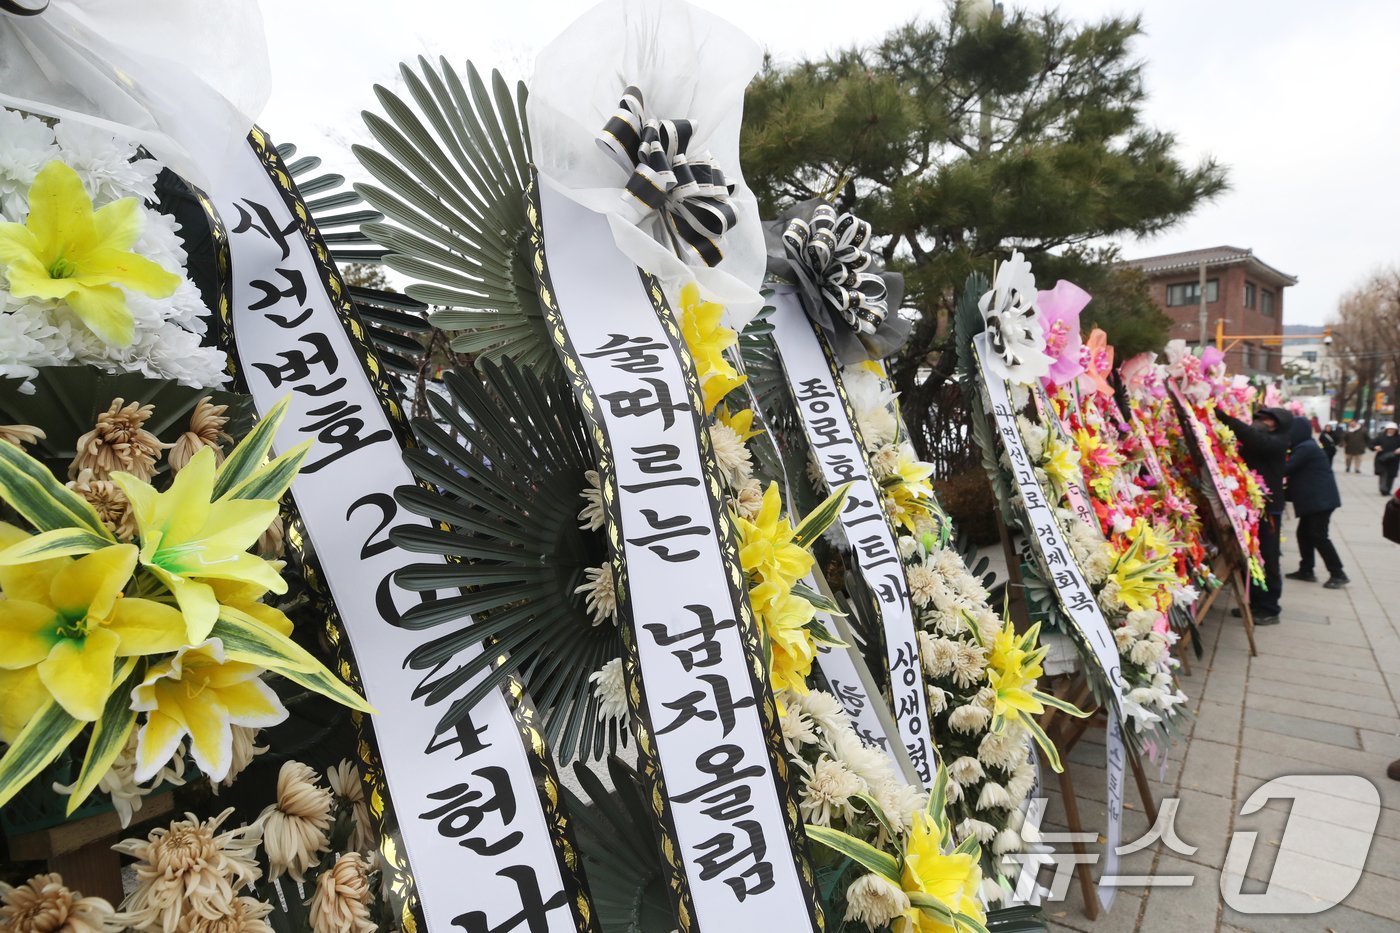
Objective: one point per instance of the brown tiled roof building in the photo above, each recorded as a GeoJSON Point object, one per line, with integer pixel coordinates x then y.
{"type": "Point", "coordinates": [1241, 289]}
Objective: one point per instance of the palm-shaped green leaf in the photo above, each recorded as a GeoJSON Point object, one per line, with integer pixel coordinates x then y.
{"type": "Point", "coordinates": [507, 455]}
{"type": "Point", "coordinates": [452, 164]}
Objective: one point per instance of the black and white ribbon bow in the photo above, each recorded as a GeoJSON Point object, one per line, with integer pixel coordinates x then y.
{"type": "Point", "coordinates": [833, 249]}
{"type": "Point", "coordinates": [686, 193]}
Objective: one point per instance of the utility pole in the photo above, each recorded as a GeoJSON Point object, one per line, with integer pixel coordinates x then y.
{"type": "Point", "coordinates": [1201, 290]}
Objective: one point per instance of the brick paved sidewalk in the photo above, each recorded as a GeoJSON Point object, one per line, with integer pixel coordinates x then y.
{"type": "Point", "coordinates": [1320, 698]}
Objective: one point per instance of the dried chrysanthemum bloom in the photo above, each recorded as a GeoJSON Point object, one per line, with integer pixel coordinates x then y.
{"type": "Point", "coordinates": [875, 901]}
{"type": "Point", "coordinates": [296, 826]}
{"type": "Point", "coordinates": [341, 901]}
{"type": "Point", "coordinates": [21, 434]}
{"type": "Point", "coordinates": [189, 868]}
{"type": "Point", "coordinates": [119, 783]}
{"type": "Point", "coordinates": [273, 541]}
{"type": "Point", "coordinates": [345, 783]}
{"type": "Point", "coordinates": [748, 500]}
{"type": "Point", "coordinates": [119, 441]}
{"type": "Point", "coordinates": [206, 430]}
{"type": "Point", "coordinates": [44, 905]}
{"type": "Point", "coordinates": [111, 503]}
{"type": "Point", "coordinates": [245, 915]}
{"type": "Point", "coordinates": [599, 593]}
{"type": "Point", "coordinates": [245, 749]}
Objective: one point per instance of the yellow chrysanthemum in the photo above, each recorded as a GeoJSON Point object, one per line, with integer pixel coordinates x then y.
{"type": "Point", "coordinates": [68, 252]}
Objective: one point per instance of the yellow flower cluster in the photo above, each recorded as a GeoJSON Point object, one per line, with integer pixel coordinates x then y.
{"type": "Point", "coordinates": [773, 563]}
{"type": "Point", "coordinates": [908, 490]}
{"type": "Point", "coordinates": [954, 880]}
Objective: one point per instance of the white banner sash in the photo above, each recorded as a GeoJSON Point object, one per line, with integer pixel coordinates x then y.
{"type": "Point", "coordinates": [821, 403]}
{"type": "Point", "coordinates": [709, 747]}
{"type": "Point", "coordinates": [471, 803]}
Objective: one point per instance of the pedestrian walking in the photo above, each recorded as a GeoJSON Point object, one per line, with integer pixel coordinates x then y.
{"type": "Point", "coordinates": [1329, 438]}
{"type": "Point", "coordinates": [1387, 448]}
{"type": "Point", "coordinates": [1264, 446]}
{"type": "Point", "coordinates": [1356, 442]}
{"type": "Point", "coordinates": [1312, 488]}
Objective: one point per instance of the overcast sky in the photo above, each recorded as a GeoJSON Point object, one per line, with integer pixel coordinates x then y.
{"type": "Point", "coordinates": [1300, 100]}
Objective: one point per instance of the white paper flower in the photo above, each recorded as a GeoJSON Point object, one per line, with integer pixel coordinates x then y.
{"type": "Point", "coordinates": [689, 65]}
{"type": "Point", "coordinates": [610, 687]}
{"type": "Point", "coordinates": [1014, 336]}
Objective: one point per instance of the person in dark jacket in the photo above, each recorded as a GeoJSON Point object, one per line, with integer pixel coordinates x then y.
{"type": "Point", "coordinates": [1311, 487]}
{"type": "Point", "coordinates": [1328, 439]}
{"type": "Point", "coordinates": [1355, 442]}
{"type": "Point", "coordinates": [1387, 448]}
{"type": "Point", "coordinates": [1264, 446]}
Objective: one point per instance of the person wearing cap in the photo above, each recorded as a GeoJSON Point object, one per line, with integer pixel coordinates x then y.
{"type": "Point", "coordinates": [1264, 446]}
{"type": "Point", "coordinates": [1312, 488]}
{"type": "Point", "coordinates": [1387, 448]}
{"type": "Point", "coordinates": [1356, 442]}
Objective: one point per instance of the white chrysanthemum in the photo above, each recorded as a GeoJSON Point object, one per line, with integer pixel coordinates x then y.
{"type": "Point", "coordinates": [748, 500]}
{"type": "Point", "coordinates": [732, 454]}
{"type": "Point", "coordinates": [923, 580]}
{"type": "Point", "coordinates": [988, 624]}
{"type": "Point", "coordinates": [873, 404]}
{"type": "Point", "coordinates": [599, 594]}
{"type": "Point", "coordinates": [969, 665]}
{"type": "Point", "coordinates": [969, 587]}
{"type": "Point", "coordinates": [1006, 842]}
{"type": "Point", "coordinates": [969, 719]}
{"type": "Point", "coordinates": [1033, 436]}
{"type": "Point", "coordinates": [44, 904]}
{"type": "Point", "coordinates": [1147, 651]}
{"type": "Point", "coordinates": [908, 547]}
{"type": "Point", "coordinates": [937, 699]}
{"type": "Point", "coordinates": [1124, 638]}
{"type": "Point", "coordinates": [950, 622]}
{"type": "Point", "coordinates": [1022, 781]}
{"type": "Point", "coordinates": [966, 770]}
{"type": "Point", "coordinates": [105, 163]}
{"type": "Point", "coordinates": [610, 687]}
{"type": "Point", "coordinates": [1097, 565]}
{"type": "Point", "coordinates": [1140, 621]}
{"type": "Point", "coordinates": [26, 145]}
{"type": "Point", "coordinates": [871, 765]}
{"type": "Point", "coordinates": [1005, 749]}
{"type": "Point", "coordinates": [884, 460]}
{"type": "Point", "coordinates": [591, 516]}
{"type": "Point", "coordinates": [985, 832]}
{"type": "Point", "coordinates": [993, 797]}
{"type": "Point", "coordinates": [826, 711]}
{"type": "Point", "coordinates": [992, 892]}
{"type": "Point", "coordinates": [875, 901]}
{"type": "Point", "coordinates": [1108, 598]}
{"type": "Point", "coordinates": [797, 726]}
{"type": "Point", "coordinates": [939, 655]}
{"type": "Point", "coordinates": [954, 792]}
{"type": "Point", "coordinates": [827, 791]}
{"type": "Point", "coordinates": [900, 802]}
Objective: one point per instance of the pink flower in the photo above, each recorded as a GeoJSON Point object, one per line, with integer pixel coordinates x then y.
{"type": "Point", "coordinates": [1211, 357]}
{"type": "Point", "coordinates": [1059, 317]}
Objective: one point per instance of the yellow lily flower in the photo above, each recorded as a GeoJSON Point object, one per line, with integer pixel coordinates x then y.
{"type": "Point", "coordinates": [907, 490]}
{"type": "Point", "coordinates": [784, 622]}
{"type": "Point", "coordinates": [954, 879]}
{"type": "Point", "coordinates": [63, 624]}
{"type": "Point", "coordinates": [766, 549]}
{"type": "Point", "coordinates": [1061, 461]}
{"type": "Point", "coordinates": [707, 338]}
{"type": "Point", "coordinates": [68, 252]}
{"type": "Point", "coordinates": [197, 693]}
{"type": "Point", "coordinates": [187, 540]}
{"type": "Point", "coordinates": [1012, 671]}
{"type": "Point", "coordinates": [740, 422]}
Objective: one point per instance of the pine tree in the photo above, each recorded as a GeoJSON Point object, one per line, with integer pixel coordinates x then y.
{"type": "Point", "coordinates": [962, 138]}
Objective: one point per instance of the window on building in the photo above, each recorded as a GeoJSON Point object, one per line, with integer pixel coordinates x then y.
{"type": "Point", "coordinates": [1310, 356]}
{"type": "Point", "coordinates": [1246, 355]}
{"type": "Point", "coordinates": [1266, 302]}
{"type": "Point", "coordinates": [1249, 294]}
{"type": "Point", "coordinates": [1189, 293]}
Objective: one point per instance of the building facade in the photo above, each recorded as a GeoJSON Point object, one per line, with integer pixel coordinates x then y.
{"type": "Point", "coordinates": [1241, 290]}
